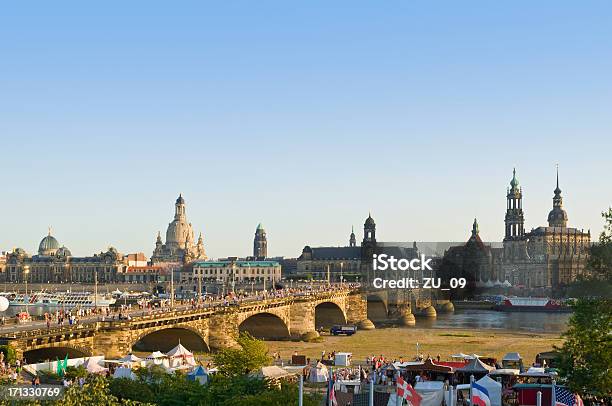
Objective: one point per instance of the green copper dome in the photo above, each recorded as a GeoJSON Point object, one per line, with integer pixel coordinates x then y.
{"type": "Point", "coordinates": [514, 182]}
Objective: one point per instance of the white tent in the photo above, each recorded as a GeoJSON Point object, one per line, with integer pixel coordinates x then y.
{"type": "Point", "coordinates": [124, 372]}
{"type": "Point", "coordinates": [131, 360]}
{"type": "Point", "coordinates": [180, 355]}
{"type": "Point", "coordinates": [319, 373]}
{"type": "Point", "coordinates": [494, 388]}
{"type": "Point", "coordinates": [271, 372]}
{"type": "Point", "coordinates": [507, 284]}
{"type": "Point", "coordinates": [157, 358]}
{"type": "Point", "coordinates": [432, 392]}
{"type": "Point", "coordinates": [93, 367]}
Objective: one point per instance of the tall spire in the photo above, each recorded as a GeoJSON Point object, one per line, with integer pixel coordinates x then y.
{"type": "Point", "coordinates": [475, 228]}
{"type": "Point", "coordinates": [557, 216]}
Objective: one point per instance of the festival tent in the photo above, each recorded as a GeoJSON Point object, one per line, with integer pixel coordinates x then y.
{"type": "Point", "coordinates": [180, 355]}
{"type": "Point", "coordinates": [271, 372]}
{"type": "Point", "coordinates": [158, 358]}
{"type": "Point", "coordinates": [506, 284]}
{"type": "Point", "coordinates": [476, 366]}
{"type": "Point", "coordinates": [199, 374]}
{"type": "Point", "coordinates": [489, 284]}
{"type": "Point", "coordinates": [319, 373]}
{"type": "Point", "coordinates": [93, 367]}
{"type": "Point", "coordinates": [432, 392]}
{"type": "Point", "coordinates": [130, 360]}
{"type": "Point", "coordinates": [124, 372]}
{"type": "Point", "coordinates": [494, 388]}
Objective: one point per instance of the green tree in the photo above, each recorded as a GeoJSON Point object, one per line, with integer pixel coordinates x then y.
{"type": "Point", "coordinates": [598, 282]}
{"type": "Point", "coordinates": [586, 354]}
{"type": "Point", "coordinates": [252, 355]}
{"type": "Point", "coordinates": [9, 353]}
{"type": "Point", "coordinates": [95, 391]}
{"type": "Point", "coordinates": [124, 388]}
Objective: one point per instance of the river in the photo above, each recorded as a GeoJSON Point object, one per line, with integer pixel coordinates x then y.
{"type": "Point", "coordinates": [491, 319]}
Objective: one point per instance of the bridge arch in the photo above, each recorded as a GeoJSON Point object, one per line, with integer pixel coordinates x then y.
{"type": "Point", "coordinates": [164, 339]}
{"type": "Point", "coordinates": [265, 326]}
{"type": "Point", "coordinates": [328, 314]}
{"type": "Point", "coordinates": [52, 353]}
{"type": "Point", "coordinates": [378, 309]}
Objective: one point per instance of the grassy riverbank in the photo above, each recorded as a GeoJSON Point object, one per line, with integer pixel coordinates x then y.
{"type": "Point", "coordinates": [396, 342]}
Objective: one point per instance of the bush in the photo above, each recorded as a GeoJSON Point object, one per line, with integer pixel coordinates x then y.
{"type": "Point", "coordinates": [9, 353]}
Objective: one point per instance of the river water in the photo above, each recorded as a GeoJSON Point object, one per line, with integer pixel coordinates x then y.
{"type": "Point", "coordinates": [490, 319]}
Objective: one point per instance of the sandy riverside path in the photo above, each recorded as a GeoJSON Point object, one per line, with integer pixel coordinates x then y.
{"type": "Point", "coordinates": [401, 342]}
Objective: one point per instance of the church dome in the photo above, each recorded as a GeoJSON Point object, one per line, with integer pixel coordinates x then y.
{"type": "Point", "coordinates": [48, 245]}
{"type": "Point", "coordinates": [178, 232]}
{"type": "Point", "coordinates": [370, 222]}
{"type": "Point", "coordinates": [514, 182]}
{"type": "Point", "coordinates": [557, 217]}
{"type": "Point", "coordinates": [63, 252]}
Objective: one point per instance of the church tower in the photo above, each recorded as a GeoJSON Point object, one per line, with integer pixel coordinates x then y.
{"type": "Point", "coordinates": [557, 216]}
{"type": "Point", "coordinates": [515, 219]}
{"type": "Point", "coordinates": [352, 239]}
{"type": "Point", "coordinates": [260, 243]}
{"type": "Point", "coordinates": [368, 245]}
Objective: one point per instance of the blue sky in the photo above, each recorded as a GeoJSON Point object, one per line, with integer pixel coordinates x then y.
{"type": "Point", "coordinates": [304, 116]}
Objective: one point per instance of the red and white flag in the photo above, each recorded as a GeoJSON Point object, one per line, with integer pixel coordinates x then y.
{"type": "Point", "coordinates": [406, 391]}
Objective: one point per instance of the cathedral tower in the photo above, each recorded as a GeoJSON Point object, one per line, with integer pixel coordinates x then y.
{"type": "Point", "coordinates": [260, 243]}
{"type": "Point", "coordinates": [515, 220]}
{"type": "Point", "coordinates": [352, 239]}
{"type": "Point", "coordinates": [557, 216]}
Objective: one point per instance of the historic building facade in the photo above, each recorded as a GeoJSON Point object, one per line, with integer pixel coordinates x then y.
{"type": "Point", "coordinates": [545, 257]}
{"type": "Point", "coordinates": [55, 264]}
{"type": "Point", "coordinates": [260, 243]}
{"type": "Point", "coordinates": [352, 261]}
{"type": "Point", "coordinates": [234, 270]}
{"type": "Point", "coordinates": [180, 245]}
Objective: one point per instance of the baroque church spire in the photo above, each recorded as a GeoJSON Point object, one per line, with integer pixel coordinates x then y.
{"type": "Point", "coordinates": [557, 216]}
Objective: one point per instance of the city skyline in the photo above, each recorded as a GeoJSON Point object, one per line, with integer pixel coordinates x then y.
{"type": "Point", "coordinates": [302, 117]}
{"type": "Point", "coordinates": [240, 251]}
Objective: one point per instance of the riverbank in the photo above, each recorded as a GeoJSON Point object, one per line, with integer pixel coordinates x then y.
{"type": "Point", "coordinates": [401, 342]}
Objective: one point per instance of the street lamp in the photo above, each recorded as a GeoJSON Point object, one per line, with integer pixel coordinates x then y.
{"type": "Point", "coordinates": [341, 277]}
{"type": "Point", "coordinates": [26, 272]}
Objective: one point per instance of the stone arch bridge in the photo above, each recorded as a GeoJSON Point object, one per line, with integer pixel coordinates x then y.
{"type": "Point", "coordinates": [215, 328]}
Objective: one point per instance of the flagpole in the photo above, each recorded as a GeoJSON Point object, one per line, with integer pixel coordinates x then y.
{"type": "Point", "coordinates": [301, 391]}
{"type": "Point", "coordinates": [398, 400]}
{"type": "Point", "coordinates": [371, 397]}
{"type": "Point", "coordinates": [553, 396]}
{"type": "Point", "coordinates": [471, 384]}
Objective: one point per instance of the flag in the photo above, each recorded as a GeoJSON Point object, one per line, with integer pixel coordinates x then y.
{"type": "Point", "coordinates": [406, 391]}
{"type": "Point", "coordinates": [331, 393]}
{"type": "Point", "coordinates": [480, 395]}
{"type": "Point", "coordinates": [62, 365]}
{"type": "Point", "coordinates": [564, 397]}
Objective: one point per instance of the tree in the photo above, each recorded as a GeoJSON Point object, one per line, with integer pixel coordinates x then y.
{"type": "Point", "coordinates": [601, 253]}
{"type": "Point", "coordinates": [586, 354]}
{"type": "Point", "coordinates": [95, 391]}
{"type": "Point", "coordinates": [252, 355]}
{"type": "Point", "coordinates": [9, 353]}
{"type": "Point", "coordinates": [598, 282]}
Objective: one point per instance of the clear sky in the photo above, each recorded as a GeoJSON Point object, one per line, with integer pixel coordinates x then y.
{"type": "Point", "coordinates": [301, 115]}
